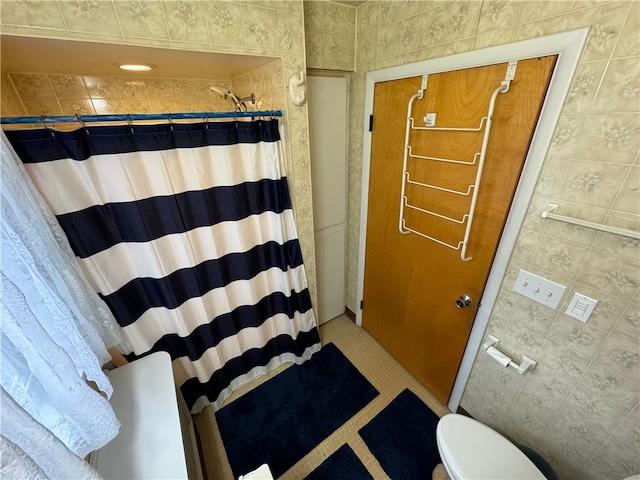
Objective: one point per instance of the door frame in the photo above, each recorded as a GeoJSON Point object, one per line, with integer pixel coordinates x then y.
{"type": "Point", "coordinates": [568, 46]}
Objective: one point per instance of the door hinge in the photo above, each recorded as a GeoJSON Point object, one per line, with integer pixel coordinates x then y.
{"type": "Point", "coordinates": [371, 123]}
{"type": "Point", "coordinates": [361, 304]}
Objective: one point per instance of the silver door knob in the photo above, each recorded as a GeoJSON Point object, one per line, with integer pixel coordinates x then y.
{"type": "Point", "coordinates": [463, 301]}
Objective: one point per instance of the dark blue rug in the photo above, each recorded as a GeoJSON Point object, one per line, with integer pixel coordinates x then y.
{"type": "Point", "coordinates": [283, 419]}
{"type": "Point", "coordinates": [343, 464]}
{"type": "Point", "coordinates": [402, 437]}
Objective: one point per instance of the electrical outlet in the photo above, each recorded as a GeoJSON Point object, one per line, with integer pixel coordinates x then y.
{"type": "Point", "coordinates": [539, 289]}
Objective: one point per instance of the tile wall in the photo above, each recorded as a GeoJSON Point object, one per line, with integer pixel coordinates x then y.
{"type": "Point", "coordinates": [61, 94]}
{"type": "Point", "coordinates": [272, 28]}
{"type": "Point", "coordinates": [580, 407]}
{"type": "Point", "coordinates": [10, 105]}
{"type": "Point", "coordinates": [329, 35]}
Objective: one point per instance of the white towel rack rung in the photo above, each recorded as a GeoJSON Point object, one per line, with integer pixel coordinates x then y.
{"type": "Point", "coordinates": [410, 230]}
{"type": "Point", "coordinates": [426, 185]}
{"type": "Point", "coordinates": [464, 217]}
{"type": "Point", "coordinates": [449, 129]}
{"type": "Point", "coordinates": [445, 160]}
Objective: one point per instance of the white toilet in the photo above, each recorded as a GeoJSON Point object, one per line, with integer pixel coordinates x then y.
{"type": "Point", "coordinates": [472, 451]}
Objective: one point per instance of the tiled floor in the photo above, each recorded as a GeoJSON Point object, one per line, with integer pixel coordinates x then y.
{"type": "Point", "coordinates": [380, 368]}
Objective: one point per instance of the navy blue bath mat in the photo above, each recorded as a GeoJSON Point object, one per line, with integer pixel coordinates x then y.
{"type": "Point", "coordinates": [283, 419]}
{"type": "Point", "coordinates": [343, 464]}
{"type": "Point", "coordinates": [402, 437]}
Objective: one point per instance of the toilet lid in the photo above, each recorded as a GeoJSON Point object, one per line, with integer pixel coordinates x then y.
{"type": "Point", "coordinates": [471, 450]}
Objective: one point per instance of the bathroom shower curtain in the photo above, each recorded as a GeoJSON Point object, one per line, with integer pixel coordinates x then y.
{"type": "Point", "coordinates": [187, 233]}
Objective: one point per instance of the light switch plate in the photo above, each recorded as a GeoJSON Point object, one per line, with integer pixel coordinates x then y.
{"type": "Point", "coordinates": [581, 307]}
{"type": "Point", "coordinates": [539, 289]}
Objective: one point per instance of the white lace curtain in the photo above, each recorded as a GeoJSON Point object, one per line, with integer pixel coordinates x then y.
{"type": "Point", "coordinates": [54, 339]}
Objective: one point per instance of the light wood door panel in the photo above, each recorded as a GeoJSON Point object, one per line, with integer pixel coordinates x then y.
{"type": "Point", "coordinates": [411, 283]}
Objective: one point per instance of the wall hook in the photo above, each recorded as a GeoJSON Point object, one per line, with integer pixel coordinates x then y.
{"type": "Point", "coordinates": [297, 90]}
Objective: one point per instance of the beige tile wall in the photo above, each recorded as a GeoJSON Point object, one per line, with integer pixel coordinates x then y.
{"type": "Point", "coordinates": [580, 407]}
{"type": "Point", "coordinates": [62, 94]}
{"type": "Point", "coordinates": [10, 105]}
{"type": "Point", "coordinates": [273, 28]}
{"type": "Point", "coordinates": [266, 83]}
{"type": "Point", "coordinates": [329, 35]}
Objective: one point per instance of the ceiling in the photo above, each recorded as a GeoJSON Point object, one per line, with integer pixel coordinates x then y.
{"type": "Point", "coordinates": [37, 55]}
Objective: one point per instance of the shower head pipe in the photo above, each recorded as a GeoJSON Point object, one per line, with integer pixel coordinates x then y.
{"type": "Point", "coordinates": [239, 103]}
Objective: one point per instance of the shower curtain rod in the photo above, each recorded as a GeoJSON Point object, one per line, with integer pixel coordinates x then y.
{"type": "Point", "coordinates": [134, 117]}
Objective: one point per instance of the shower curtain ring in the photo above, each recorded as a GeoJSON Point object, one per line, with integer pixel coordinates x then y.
{"type": "Point", "coordinates": [45, 126]}
{"type": "Point", "coordinates": [82, 124]}
{"type": "Point", "coordinates": [129, 122]}
{"type": "Point", "coordinates": [171, 123]}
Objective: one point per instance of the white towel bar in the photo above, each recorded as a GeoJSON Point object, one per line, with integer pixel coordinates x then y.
{"type": "Point", "coordinates": [552, 207]}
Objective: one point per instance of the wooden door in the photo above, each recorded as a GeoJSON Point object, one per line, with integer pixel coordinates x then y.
{"type": "Point", "coordinates": [411, 283]}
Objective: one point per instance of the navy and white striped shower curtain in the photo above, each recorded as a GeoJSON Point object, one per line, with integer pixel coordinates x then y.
{"type": "Point", "coordinates": [187, 233]}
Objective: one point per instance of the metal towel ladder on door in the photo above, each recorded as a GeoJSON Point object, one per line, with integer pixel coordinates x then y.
{"type": "Point", "coordinates": [485, 124]}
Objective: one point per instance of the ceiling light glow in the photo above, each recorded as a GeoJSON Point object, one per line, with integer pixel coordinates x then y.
{"type": "Point", "coordinates": [136, 68]}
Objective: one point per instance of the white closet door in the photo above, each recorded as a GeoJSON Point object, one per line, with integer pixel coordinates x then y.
{"type": "Point", "coordinates": [328, 137]}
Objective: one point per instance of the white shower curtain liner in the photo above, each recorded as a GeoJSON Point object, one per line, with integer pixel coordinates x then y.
{"type": "Point", "coordinates": [54, 335]}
